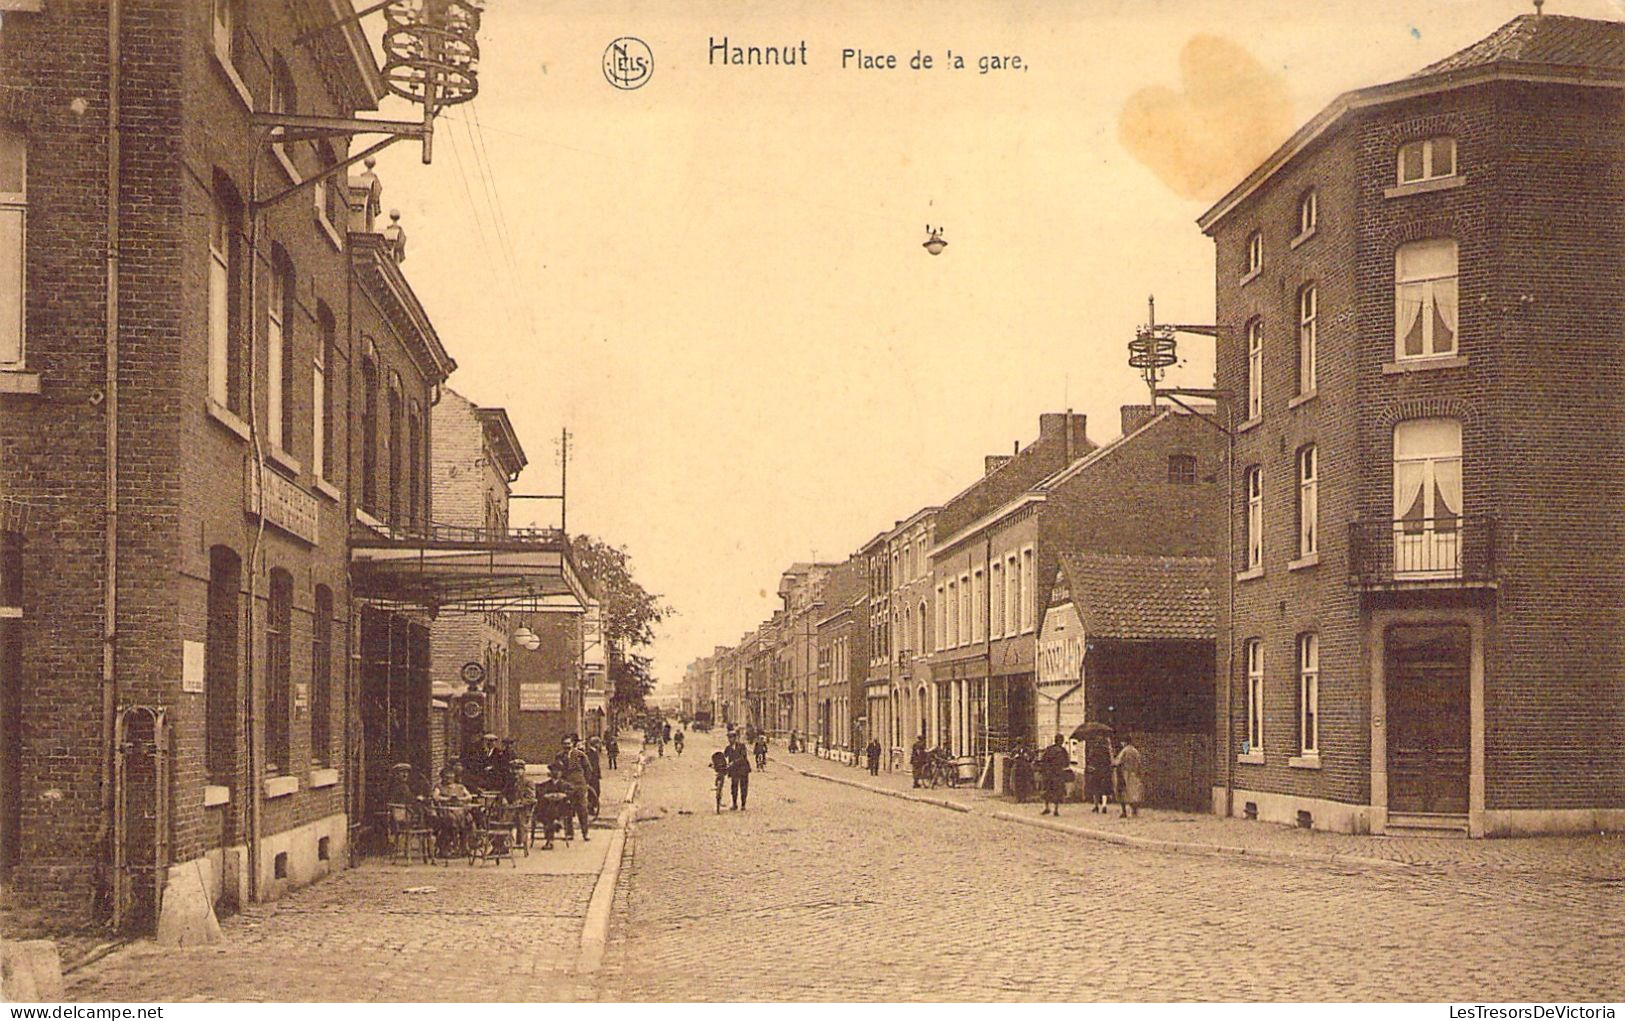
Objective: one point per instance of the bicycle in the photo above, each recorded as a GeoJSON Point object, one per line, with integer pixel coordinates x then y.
{"type": "Point", "coordinates": [719, 793]}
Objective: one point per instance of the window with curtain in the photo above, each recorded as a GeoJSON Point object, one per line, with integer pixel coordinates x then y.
{"type": "Point", "coordinates": [1255, 698]}
{"type": "Point", "coordinates": [1255, 517]}
{"type": "Point", "coordinates": [1308, 313]}
{"type": "Point", "coordinates": [1425, 299]}
{"type": "Point", "coordinates": [13, 250]}
{"type": "Point", "coordinates": [1308, 500]}
{"type": "Point", "coordinates": [1427, 494]}
{"type": "Point", "coordinates": [1255, 369]}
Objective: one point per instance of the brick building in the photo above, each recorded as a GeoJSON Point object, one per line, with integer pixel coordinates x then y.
{"type": "Point", "coordinates": [168, 442]}
{"type": "Point", "coordinates": [1419, 306]}
{"type": "Point", "coordinates": [212, 461]}
{"type": "Point", "coordinates": [477, 458]}
{"type": "Point", "coordinates": [1152, 493]}
{"type": "Point", "coordinates": [962, 661]}
{"type": "Point", "coordinates": [838, 633]}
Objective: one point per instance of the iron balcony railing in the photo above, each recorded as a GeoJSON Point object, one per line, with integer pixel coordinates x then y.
{"type": "Point", "coordinates": [1423, 551]}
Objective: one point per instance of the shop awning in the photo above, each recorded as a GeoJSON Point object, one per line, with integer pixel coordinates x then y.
{"type": "Point", "coordinates": [446, 568]}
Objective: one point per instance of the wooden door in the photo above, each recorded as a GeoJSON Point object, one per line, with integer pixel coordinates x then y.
{"type": "Point", "coordinates": [1429, 729]}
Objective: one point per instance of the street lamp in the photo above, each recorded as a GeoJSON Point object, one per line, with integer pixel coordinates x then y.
{"type": "Point", "coordinates": [527, 639]}
{"type": "Point", "coordinates": [933, 242]}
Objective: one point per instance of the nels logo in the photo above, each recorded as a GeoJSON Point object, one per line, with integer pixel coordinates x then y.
{"type": "Point", "coordinates": [628, 63]}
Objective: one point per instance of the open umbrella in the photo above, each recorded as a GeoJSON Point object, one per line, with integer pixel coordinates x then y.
{"type": "Point", "coordinates": [1093, 728]}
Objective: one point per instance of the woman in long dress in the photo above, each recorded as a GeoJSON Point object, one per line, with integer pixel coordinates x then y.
{"type": "Point", "coordinates": [1130, 787]}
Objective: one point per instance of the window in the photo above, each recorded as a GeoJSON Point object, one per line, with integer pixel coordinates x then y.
{"type": "Point", "coordinates": [1027, 589]}
{"type": "Point", "coordinates": [228, 27]}
{"type": "Point", "coordinates": [414, 476]}
{"type": "Point", "coordinates": [1425, 299]}
{"type": "Point", "coordinates": [278, 624]}
{"type": "Point", "coordinates": [13, 246]}
{"type": "Point", "coordinates": [1255, 369]}
{"type": "Point", "coordinates": [1428, 159]}
{"type": "Point", "coordinates": [1255, 253]}
{"type": "Point", "coordinates": [1254, 744]}
{"type": "Point", "coordinates": [1308, 212]}
{"type": "Point", "coordinates": [220, 656]}
{"type": "Point", "coordinates": [1309, 694]}
{"type": "Point", "coordinates": [1427, 496]}
{"type": "Point", "coordinates": [321, 438]}
{"type": "Point", "coordinates": [965, 611]}
{"type": "Point", "coordinates": [332, 208]}
{"type": "Point", "coordinates": [1012, 594]}
{"type": "Point", "coordinates": [1308, 500]}
{"type": "Point", "coordinates": [953, 614]}
{"type": "Point", "coordinates": [284, 99]}
{"type": "Point", "coordinates": [979, 607]}
{"type": "Point", "coordinates": [321, 678]}
{"type": "Point", "coordinates": [996, 624]}
{"type": "Point", "coordinates": [280, 307]}
{"type": "Point", "coordinates": [369, 431]}
{"type": "Point", "coordinates": [1308, 310]}
{"type": "Point", "coordinates": [1182, 469]}
{"type": "Point", "coordinates": [225, 298]}
{"type": "Point", "coordinates": [924, 640]}
{"type": "Point", "coordinates": [1255, 518]}
{"type": "Point", "coordinates": [940, 637]}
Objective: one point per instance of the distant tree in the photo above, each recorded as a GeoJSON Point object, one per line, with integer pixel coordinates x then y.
{"type": "Point", "coordinates": [630, 613]}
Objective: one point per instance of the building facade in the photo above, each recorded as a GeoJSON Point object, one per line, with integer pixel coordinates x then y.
{"type": "Point", "coordinates": [1419, 310]}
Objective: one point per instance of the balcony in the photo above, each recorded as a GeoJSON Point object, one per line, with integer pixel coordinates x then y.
{"type": "Point", "coordinates": [1455, 552]}
{"type": "Point", "coordinates": [436, 567]}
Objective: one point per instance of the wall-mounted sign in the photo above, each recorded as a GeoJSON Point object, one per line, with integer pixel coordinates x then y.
{"type": "Point", "coordinates": [282, 503]}
{"type": "Point", "coordinates": [540, 697]}
{"type": "Point", "coordinates": [192, 667]}
{"type": "Point", "coordinates": [472, 672]}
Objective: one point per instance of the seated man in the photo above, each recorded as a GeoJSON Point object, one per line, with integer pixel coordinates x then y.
{"type": "Point", "coordinates": [454, 820]}
{"type": "Point", "coordinates": [403, 787]}
{"type": "Point", "coordinates": [555, 804]}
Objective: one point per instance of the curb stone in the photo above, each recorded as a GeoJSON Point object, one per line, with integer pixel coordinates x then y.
{"type": "Point", "coordinates": [595, 926]}
{"type": "Point", "coordinates": [921, 798]}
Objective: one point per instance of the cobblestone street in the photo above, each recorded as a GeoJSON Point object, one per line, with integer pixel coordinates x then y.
{"type": "Point", "coordinates": [824, 891]}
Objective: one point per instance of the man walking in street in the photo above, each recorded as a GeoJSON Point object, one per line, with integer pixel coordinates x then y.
{"type": "Point", "coordinates": [1055, 764]}
{"type": "Point", "coordinates": [595, 776]}
{"type": "Point", "coordinates": [572, 773]}
{"type": "Point", "coordinates": [738, 773]}
{"type": "Point", "coordinates": [612, 750]}
{"type": "Point", "coordinates": [918, 760]}
{"type": "Point", "coordinates": [873, 752]}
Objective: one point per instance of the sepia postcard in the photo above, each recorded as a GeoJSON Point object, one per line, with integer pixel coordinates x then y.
{"type": "Point", "coordinates": [918, 502]}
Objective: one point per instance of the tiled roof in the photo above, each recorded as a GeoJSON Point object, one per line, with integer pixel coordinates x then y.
{"type": "Point", "coordinates": [1543, 39]}
{"type": "Point", "coordinates": [1142, 597]}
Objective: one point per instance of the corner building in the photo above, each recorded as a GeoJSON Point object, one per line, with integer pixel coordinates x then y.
{"type": "Point", "coordinates": [1420, 313]}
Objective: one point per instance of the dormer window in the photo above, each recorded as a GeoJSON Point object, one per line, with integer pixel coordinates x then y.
{"type": "Point", "coordinates": [1427, 159]}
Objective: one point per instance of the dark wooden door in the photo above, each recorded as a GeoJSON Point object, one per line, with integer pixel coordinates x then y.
{"type": "Point", "coordinates": [1428, 718]}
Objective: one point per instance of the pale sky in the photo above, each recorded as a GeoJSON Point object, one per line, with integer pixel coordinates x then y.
{"type": "Point", "coordinates": [716, 280]}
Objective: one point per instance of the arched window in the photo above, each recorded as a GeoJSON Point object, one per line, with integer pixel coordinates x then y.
{"type": "Point", "coordinates": [1182, 469]}
{"type": "Point", "coordinates": [1255, 369]}
{"type": "Point", "coordinates": [321, 440]}
{"type": "Point", "coordinates": [280, 308]}
{"type": "Point", "coordinates": [321, 677]}
{"type": "Point", "coordinates": [1308, 212]}
{"type": "Point", "coordinates": [369, 430]}
{"type": "Point", "coordinates": [278, 679]}
{"type": "Point", "coordinates": [221, 656]}
{"type": "Point", "coordinates": [1255, 518]}
{"type": "Point", "coordinates": [1308, 330]}
{"type": "Point", "coordinates": [1255, 253]}
{"type": "Point", "coordinates": [226, 343]}
{"type": "Point", "coordinates": [396, 450]}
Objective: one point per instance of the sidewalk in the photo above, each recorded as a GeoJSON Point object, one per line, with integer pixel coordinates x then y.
{"type": "Point", "coordinates": [1595, 857]}
{"type": "Point", "coordinates": [527, 931]}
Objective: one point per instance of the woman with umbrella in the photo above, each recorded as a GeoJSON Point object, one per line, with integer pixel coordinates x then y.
{"type": "Point", "coordinates": [1097, 763]}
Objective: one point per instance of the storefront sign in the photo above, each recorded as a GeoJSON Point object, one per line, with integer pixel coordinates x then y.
{"type": "Point", "coordinates": [1061, 648]}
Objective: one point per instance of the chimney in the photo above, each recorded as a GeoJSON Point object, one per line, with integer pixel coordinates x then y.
{"type": "Point", "coordinates": [993, 462]}
{"type": "Point", "coordinates": [1136, 415]}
